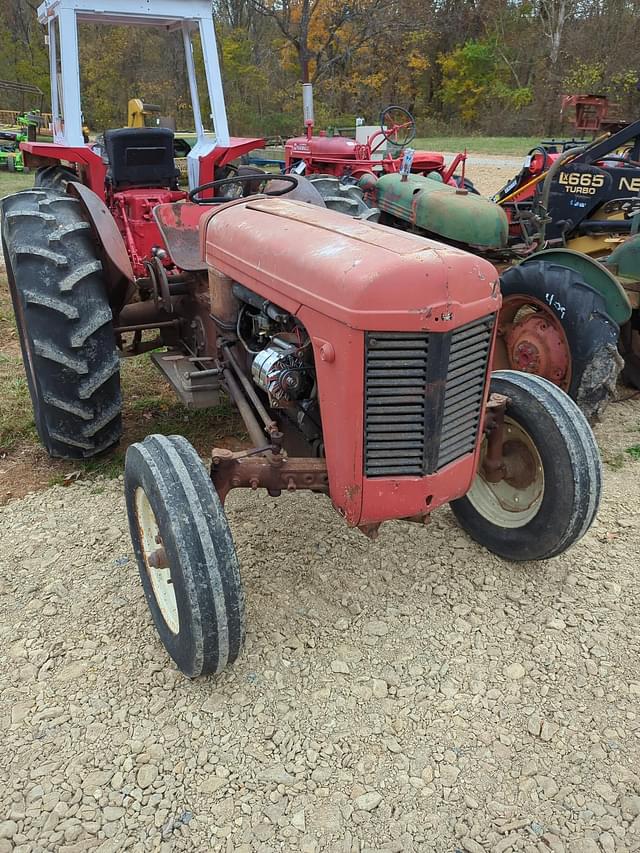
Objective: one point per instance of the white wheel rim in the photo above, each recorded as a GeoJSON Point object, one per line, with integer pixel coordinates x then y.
{"type": "Point", "coordinates": [160, 578]}
{"type": "Point", "coordinates": [504, 504]}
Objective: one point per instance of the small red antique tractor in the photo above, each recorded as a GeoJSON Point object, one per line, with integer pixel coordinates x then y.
{"type": "Point", "coordinates": [346, 158]}
{"type": "Point", "coordinates": [361, 369]}
{"type": "Point", "coordinates": [358, 356]}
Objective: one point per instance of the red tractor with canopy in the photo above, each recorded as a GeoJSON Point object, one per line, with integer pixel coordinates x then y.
{"type": "Point", "coordinates": [359, 357]}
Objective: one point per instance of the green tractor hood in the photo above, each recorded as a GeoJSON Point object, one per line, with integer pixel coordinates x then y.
{"type": "Point", "coordinates": [442, 210]}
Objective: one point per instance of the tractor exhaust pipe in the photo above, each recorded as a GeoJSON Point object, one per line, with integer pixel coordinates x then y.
{"type": "Point", "coordinates": [307, 108]}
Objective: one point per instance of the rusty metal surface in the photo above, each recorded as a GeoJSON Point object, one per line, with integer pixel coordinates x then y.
{"type": "Point", "coordinates": [179, 225]}
{"type": "Point", "coordinates": [532, 340]}
{"type": "Point", "coordinates": [144, 314]}
{"type": "Point", "coordinates": [275, 472]}
{"type": "Point", "coordinates": [104, 228]}
{"type": "Point", "coordinates": [437, 208]}
{"type": "Point", "coordinates": [493, 467]}
{"type": "Point", "coordinates": [197, 389]}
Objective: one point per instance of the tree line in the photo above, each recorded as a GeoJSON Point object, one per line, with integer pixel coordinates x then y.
{"type": "Point", "coordinates": [495, 67]}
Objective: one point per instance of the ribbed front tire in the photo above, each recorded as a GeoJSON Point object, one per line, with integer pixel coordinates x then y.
{"type": "Point", "coordinates": [185, 553]}
{"type": "Point", "coordinates": [551, 491]}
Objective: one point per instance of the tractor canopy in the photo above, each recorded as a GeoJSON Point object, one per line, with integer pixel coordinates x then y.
{"type": "Point", "coordinates": [188, 17]}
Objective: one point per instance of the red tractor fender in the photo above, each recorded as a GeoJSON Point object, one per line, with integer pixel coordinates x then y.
{"type": "Point", "coordinates": [116, 264]}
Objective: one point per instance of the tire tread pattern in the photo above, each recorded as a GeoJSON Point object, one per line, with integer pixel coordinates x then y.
{"type": "Point", "coordinates": [64, 321]}
{"type": "Point", "coordinates": [209, 571]}
{"type": "Point", "coordinates": [592, 336]}
{"type": "Point", "coordinates": [571, 512]}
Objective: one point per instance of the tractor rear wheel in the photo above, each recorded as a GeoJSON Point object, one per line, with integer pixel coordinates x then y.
{"type": "Point", "coordinates": [550, 491]}
{"type": "Point", "coordinates": [54, 177]}
{"type": "Point", "coordinates": [64, 323]}
{"type": "Point", "coordinates": [187, 562]}
{"type": "Point", "coordinates": [555, 325]}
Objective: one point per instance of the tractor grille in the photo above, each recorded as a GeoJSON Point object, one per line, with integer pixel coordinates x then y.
{"type": "Point", "coordinates": [423, 398]}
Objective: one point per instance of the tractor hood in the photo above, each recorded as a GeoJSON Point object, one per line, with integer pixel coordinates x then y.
{"type": "Point", "coordinates": [364, 275]}
{"type": "Point", "coordinates": [444, 211]}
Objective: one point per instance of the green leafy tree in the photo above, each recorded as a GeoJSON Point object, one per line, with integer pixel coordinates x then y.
{"type": "Point", "coordinates": [475, 77]}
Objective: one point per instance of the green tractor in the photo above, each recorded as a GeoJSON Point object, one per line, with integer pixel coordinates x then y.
{"type": "Point", "coordinates": [564, 235]}
{"type": "Point", "coordinates": [11, 157]}
{"type": "Point", "coordinates": [10, 154]}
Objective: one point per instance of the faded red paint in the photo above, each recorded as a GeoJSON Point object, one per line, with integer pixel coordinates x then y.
{"type": "Point", "coordinates": [341, 155]}
{"type": "Point", "coordinates": [343, 277]}
{"type": "Point", "coordinates": [91, 170]}
{"type": "Point", "coordinates": [132, 208]}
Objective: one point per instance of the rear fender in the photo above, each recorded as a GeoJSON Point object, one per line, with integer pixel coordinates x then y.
{"type": "Point", "coordinates": [596, 275]}
{"type": "Point", "coordinates": [117, 267]}
{"type": "Point", "coordinates": [624, 262]}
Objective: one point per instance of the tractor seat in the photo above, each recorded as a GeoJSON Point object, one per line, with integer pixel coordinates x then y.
{"type": "Point", "coordinates": [140, 157]}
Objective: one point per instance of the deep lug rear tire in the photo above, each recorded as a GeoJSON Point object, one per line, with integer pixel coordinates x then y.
{"type": "Point", "coordinates": [54, 177]}
{"type": "Point", "coordinates": [581, 354]}
{"type": "Point", "coordinates": [193, 588]}
{"type": "Point", "coordinates": [64, 323]}
{"type": "Point", "coordinates": [552, 502]}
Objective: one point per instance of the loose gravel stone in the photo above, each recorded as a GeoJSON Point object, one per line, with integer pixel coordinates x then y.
{"type": "Point", "coordinates": [515, 671]}
{"type": "Point", "coordinates": [369, 801]}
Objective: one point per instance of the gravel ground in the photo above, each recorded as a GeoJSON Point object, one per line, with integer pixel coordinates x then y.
{"type": "Point", "coordinates": [489, 174]}
{"type": "Point", "coordinates": [410, 694]}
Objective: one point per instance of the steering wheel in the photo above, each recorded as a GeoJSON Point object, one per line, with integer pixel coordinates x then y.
{"type": "Point", "coordinates": [401, 126]}
{"type": "Point", "coordinates": [242, 179]}
{"type": "Point", "coordinates": [538, 149]}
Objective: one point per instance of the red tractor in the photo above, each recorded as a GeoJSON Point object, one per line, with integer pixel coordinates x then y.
{"type": "Point", "coordinates": [346, 158]}
{"type": "Point", "coordinates": [358, 357]}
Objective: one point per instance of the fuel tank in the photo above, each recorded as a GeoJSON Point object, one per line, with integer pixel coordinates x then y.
{"type": "Point", "coordinates": [442, 210]}
{"type": "Point", "coordinates": [321, 147]}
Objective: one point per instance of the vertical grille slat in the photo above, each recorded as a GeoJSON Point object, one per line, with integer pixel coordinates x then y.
{"type": "Point", "coordinates": [466, 376]}
{"type": "Point", "coordinates": [395, 378]}
{"type": "Point", "coordinates": [423, 398]}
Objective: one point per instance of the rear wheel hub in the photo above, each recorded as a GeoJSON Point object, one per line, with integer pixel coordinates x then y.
{"type": "Point", "coordinates": [533, 341]}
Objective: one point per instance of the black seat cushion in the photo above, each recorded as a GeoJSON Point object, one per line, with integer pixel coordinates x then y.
{"type": "Point", "coordinates": [141, 157]}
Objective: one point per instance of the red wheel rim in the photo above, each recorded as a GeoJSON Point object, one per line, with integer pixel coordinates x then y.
{"type": "Point", "coordinates": [531, 339]}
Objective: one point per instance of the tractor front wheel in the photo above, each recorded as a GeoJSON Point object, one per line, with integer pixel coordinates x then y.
{"type": "Point", "coordinates": [555, 325]}
{"type": "Point", "coordinates": [64, 323]}
{"type": "Point", "coordinates": [185, 554]}
{"type": "Point", "coordinates": [551, 481]}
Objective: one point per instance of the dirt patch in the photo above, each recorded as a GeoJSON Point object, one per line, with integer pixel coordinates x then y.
{"type": "Point", "coordinates": [488, 179]}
